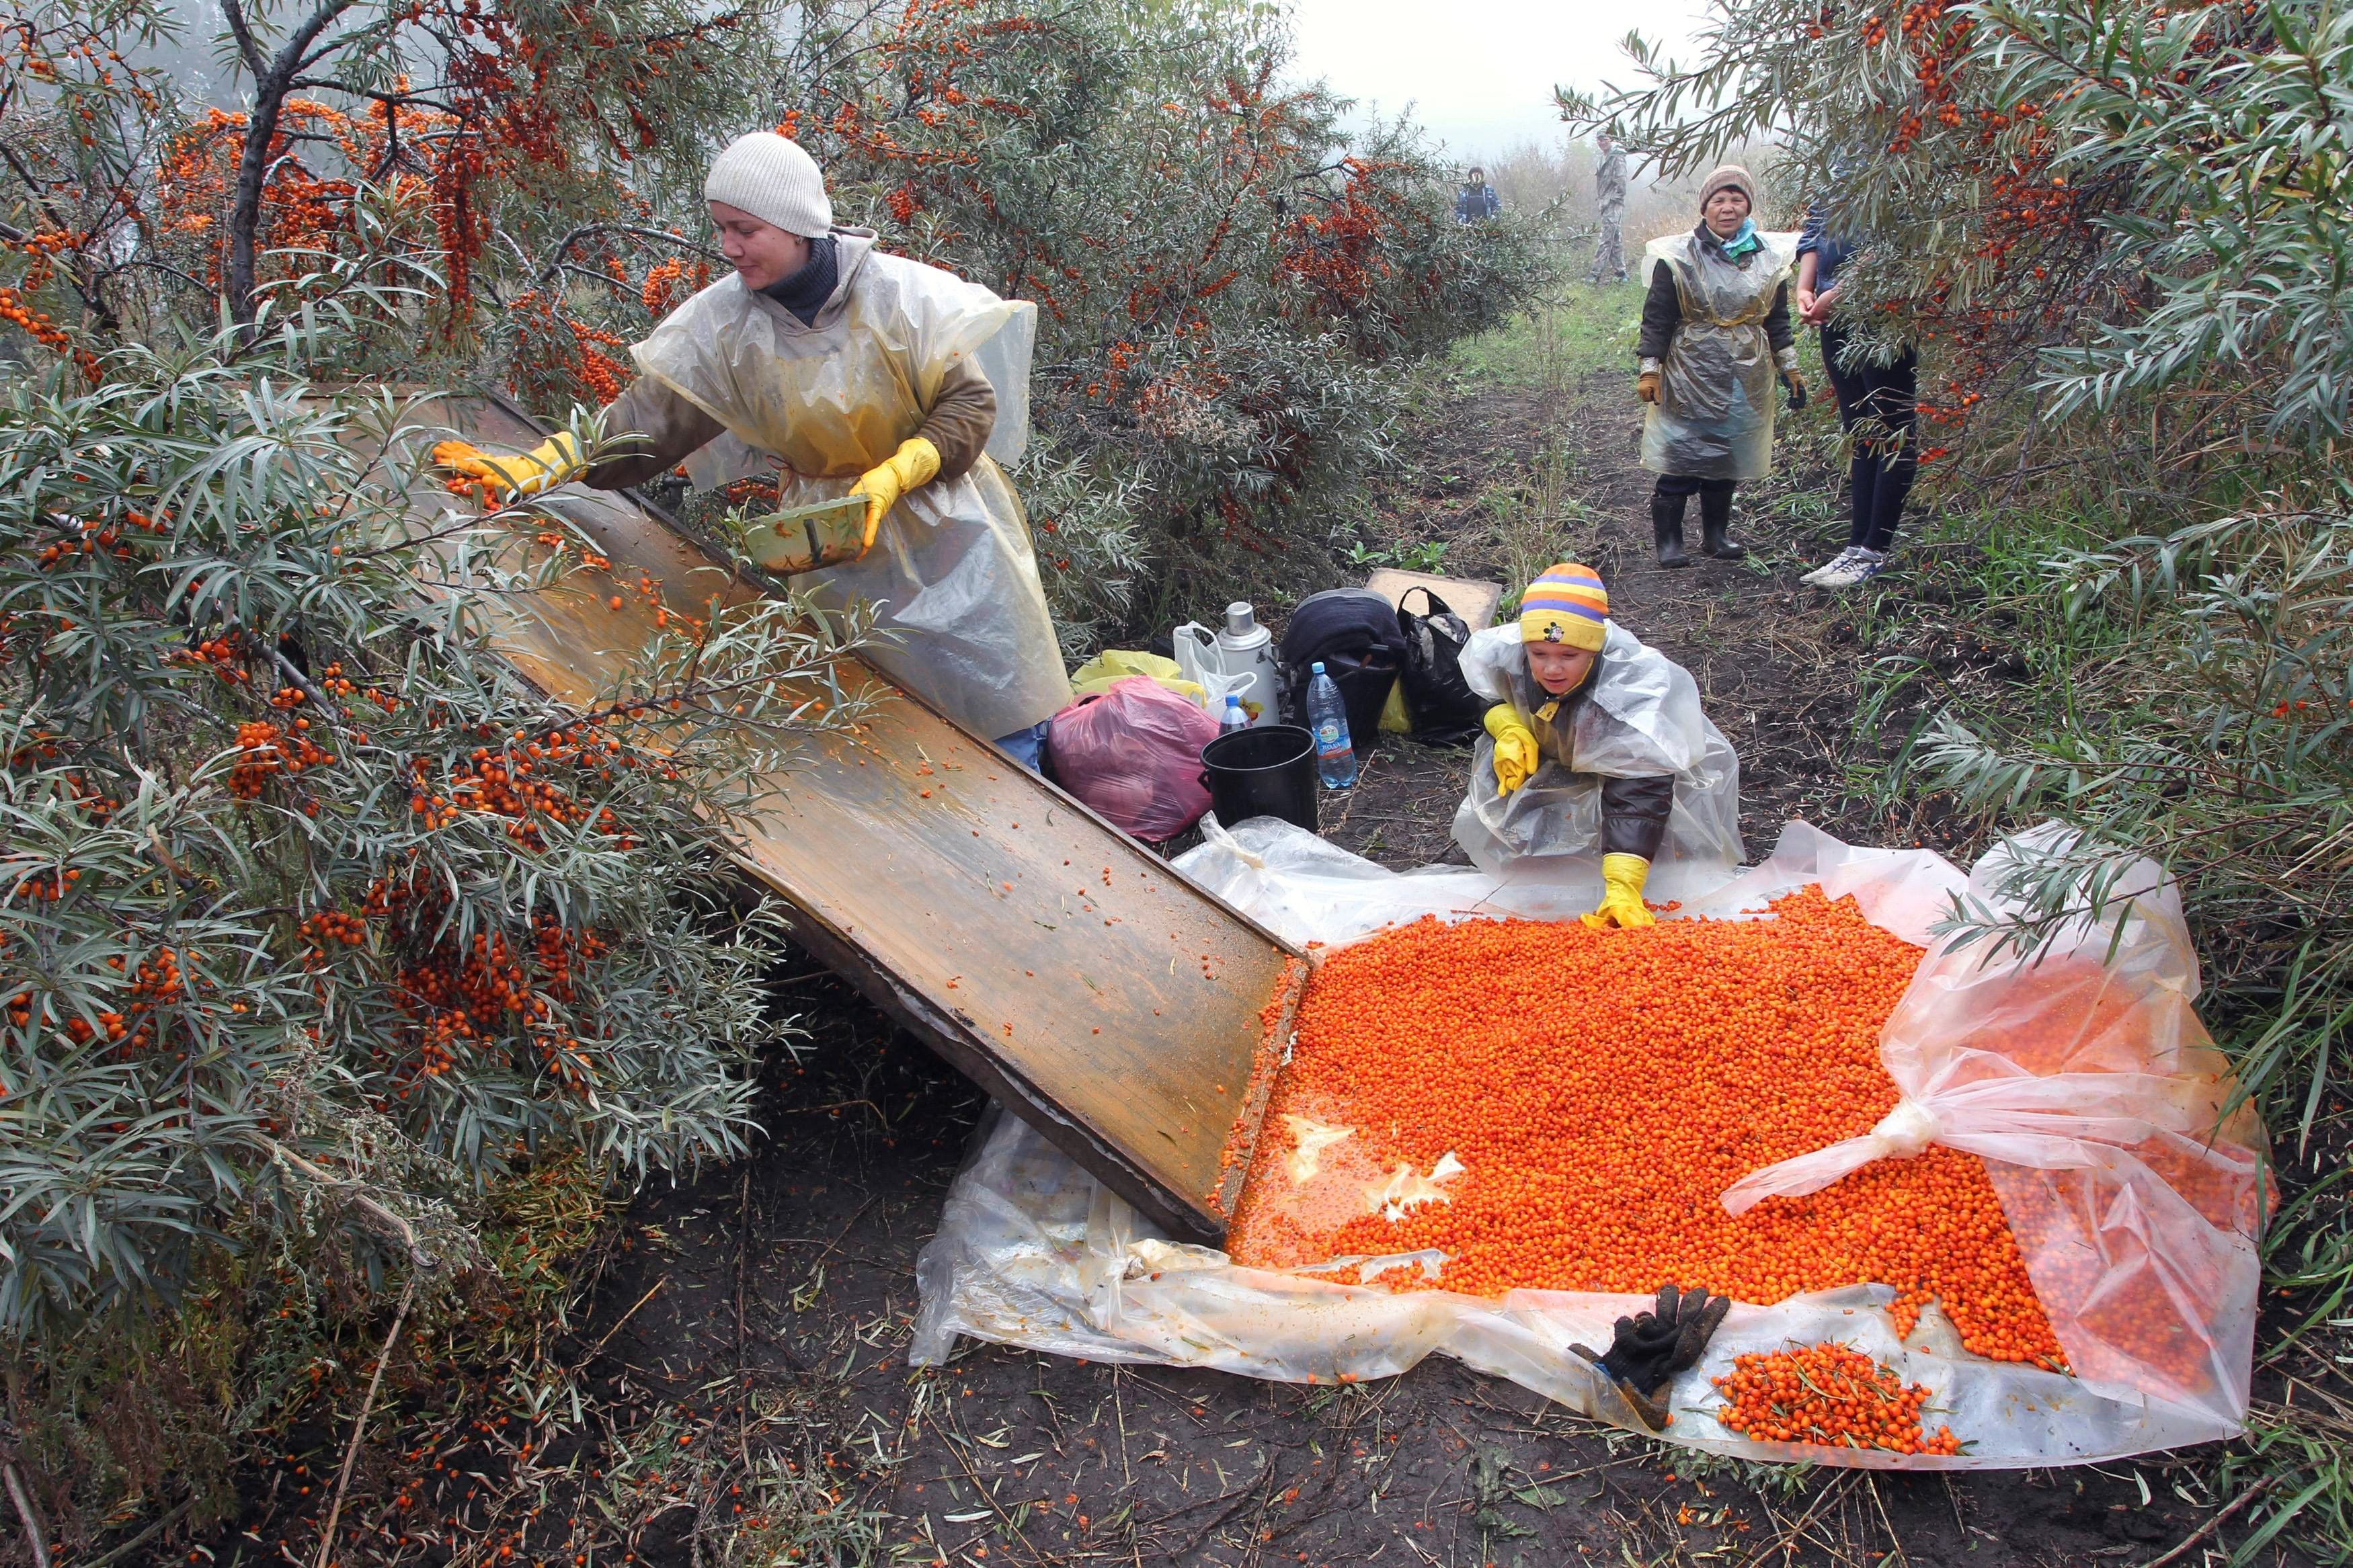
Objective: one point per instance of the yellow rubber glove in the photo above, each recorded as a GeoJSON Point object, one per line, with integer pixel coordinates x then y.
{"type": "Point", "coordinates": [1515, 748]}
{"type": "Point", "coordinates": [1646, 386]}
{"type": "Point", "coordinates": [547, 464]}
{"type": "Point", "coordinates": [1622, 877]}
{"type": "Point", "coordinates": [916, 462]}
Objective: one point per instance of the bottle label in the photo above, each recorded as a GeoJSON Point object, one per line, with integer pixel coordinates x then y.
{"type": "Point", "coordinates": [1327, 738]}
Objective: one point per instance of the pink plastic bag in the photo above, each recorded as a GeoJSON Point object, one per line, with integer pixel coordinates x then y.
{"type": "Point", "coordinates": [1133, 754]}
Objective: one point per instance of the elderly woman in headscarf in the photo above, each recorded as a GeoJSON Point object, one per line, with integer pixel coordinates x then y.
{"type": "Point", "coordinates": [839, 371]}
{"type": "Point", "coordinates": [1716, 331]}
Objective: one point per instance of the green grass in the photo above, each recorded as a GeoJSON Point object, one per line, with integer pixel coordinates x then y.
{"type": "Point", "coordinates": [1582, 329]}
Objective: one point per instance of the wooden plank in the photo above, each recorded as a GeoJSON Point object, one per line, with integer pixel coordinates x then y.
{"type": "Point", "coordinates": [1057, 963]}
{"type": "Point", "coordinates": [1474, 602]}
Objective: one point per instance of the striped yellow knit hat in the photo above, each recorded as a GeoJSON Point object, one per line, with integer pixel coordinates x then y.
{"type": "Point", "coordinates": [1567, 604]}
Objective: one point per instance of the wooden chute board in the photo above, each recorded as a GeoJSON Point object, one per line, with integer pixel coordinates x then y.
{"type": "Point", "coordinates": [1055, 961]}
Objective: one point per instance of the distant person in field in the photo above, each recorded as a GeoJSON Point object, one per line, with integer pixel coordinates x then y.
{"type": "Point", "coordinates": [1715, 330]}
{"type": "Point", "coordinates": [1476, 201]}
{"type": "Point", "coordinates": [1877, 390]}
{"type": "Point", "coordinates": [1609, 206]}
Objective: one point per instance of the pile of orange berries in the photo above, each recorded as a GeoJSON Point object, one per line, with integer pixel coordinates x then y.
{"type": "Point", "coordinates": [1601, 1089]}
{"type": "Point", "coordinates": [1827, 1394]}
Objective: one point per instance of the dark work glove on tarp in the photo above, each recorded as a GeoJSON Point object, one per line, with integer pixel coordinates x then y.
{"type": "Point", "coordinates": [1649, 1348]}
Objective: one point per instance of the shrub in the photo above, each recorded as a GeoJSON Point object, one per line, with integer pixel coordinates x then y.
{"type": "Point", "coordinates": [300, 887]}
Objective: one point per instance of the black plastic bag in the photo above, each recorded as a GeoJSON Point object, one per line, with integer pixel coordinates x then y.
{"type": "Point", "coordinates": [1445, 709]}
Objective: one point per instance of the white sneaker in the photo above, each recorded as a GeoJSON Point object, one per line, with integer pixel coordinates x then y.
{"type": "Point", "coordinates": [1844, 558]}
{"type": "Point", "coordinates": [1860, 568]}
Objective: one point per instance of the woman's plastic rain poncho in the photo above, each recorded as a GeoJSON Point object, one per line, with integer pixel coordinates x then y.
{"type": "Point", "coordinates": [953, 571]}
{"type": "Point", "coordinates": [1639, 718]}
{"type": "Point", "coordinates": [1714, 420]}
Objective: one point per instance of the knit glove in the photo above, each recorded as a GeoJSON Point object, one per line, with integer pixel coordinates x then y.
{"type": "Point", "coordinates": [1648, 1350]}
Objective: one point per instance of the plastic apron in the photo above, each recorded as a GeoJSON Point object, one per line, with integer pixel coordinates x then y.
{"type": "Point", "coordinates": [952, 573]}
{"type": "Point", "coordinates": [1714, 420]}
{"type": "Point", "coordinates": [1643, 718]}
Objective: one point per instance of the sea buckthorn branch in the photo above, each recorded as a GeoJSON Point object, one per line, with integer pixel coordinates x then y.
{"type": "Point", "coordinates": [294, 933]}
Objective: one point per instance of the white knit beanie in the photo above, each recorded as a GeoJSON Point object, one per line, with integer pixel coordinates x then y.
{"type": "Point", "coordinates": [775, 181]}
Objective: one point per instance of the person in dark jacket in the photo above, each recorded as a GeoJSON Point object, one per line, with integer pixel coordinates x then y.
{"type": "Point", "coordinates": [1715, 330]}
{"type": "Point", "coordinates": [1476, 201]}
{"type": "Point", "coordinates": [1877, 395]}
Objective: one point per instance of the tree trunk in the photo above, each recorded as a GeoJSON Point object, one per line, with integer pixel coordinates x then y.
{"type": "Point", "coordinates": [271, 87]}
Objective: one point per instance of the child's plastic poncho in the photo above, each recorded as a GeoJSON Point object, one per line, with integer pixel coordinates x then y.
{"type": "Point", "coordinates": [1640, 718]}
{"type": "Point", "coordinates": [1714, 420]}
{"type": "Point", "coordinates": [952, 572]}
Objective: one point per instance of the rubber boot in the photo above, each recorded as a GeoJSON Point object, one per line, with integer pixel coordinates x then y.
{"type": "Point", "coordinates": [1667, 529]}
{"type": "Point", "coordinates": [1715, 524]}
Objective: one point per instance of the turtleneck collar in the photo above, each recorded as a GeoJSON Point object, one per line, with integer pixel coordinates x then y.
{"type": "Point", "coordinates": [805, 291]}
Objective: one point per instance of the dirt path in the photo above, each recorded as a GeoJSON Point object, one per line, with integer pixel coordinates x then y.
{"type": "Point", "coordinates": [783, 1288]}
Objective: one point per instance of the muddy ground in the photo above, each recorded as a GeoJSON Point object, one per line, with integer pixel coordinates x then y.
{"type": "Point", "coordinates": [787, 1283]}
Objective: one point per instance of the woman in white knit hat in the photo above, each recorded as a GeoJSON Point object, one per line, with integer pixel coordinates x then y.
{"type": "Point", "coordinates": [839, 370]}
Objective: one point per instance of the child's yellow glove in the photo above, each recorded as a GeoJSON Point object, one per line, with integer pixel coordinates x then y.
{"type": "Point", "coordinates": [1515, 748]}
{"type": "Point", "coordinates": [916, 462]}
{"type": "Point", "coordinates": [1622, 877]}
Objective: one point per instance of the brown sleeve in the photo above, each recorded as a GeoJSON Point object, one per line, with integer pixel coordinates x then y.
{"type": "Point", "coordinates": [664, 428]}
{"type": "Point", "coordinates": [960, 422]}
{"type": "Point", "coordinates": [668, 428]}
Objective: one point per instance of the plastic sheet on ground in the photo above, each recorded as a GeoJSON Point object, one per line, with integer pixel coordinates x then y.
{"type": "Point", "coordinates": [2103, 1110]}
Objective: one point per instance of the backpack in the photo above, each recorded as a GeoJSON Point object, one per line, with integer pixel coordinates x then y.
{"type": "Point", "coordinates": [1354, 633]}
{"type": "Point", "coordinates": [1445, 709]}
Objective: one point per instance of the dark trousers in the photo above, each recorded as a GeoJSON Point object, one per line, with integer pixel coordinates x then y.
{"type": "Point", "coordinates": [1689, 485]}
{"type": "Point", "coordinates": [1877, 406]}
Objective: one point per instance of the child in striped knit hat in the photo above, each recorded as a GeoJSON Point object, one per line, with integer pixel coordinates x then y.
{"type": "Point", "coordinates": [1596, 745]}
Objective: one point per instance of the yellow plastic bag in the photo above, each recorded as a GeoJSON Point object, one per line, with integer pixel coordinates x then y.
{"type": "Point", "coordinates": [1094, 677]}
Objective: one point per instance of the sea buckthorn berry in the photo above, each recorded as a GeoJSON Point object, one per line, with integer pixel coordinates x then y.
{"type": "Point", "coordinates": [1827, 1394]}
{"type": "Point", "coordinates": [1601, 1090]}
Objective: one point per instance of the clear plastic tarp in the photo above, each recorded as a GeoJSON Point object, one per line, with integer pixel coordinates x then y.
{"type": "Point", "coordinates": [2109, 1124]}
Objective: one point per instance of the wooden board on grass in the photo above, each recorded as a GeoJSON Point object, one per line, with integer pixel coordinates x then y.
{"type": "Point", "coordinates": [1474, 602]}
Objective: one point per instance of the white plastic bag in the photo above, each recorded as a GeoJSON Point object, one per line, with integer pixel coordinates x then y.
{"type": "Point", "coordinates": [2143, 1253]}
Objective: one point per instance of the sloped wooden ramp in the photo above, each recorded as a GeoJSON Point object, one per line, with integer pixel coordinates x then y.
{"type": "Point", "coordinates": [1056, 962]}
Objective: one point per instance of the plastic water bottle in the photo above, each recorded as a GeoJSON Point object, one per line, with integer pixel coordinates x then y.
{"type": "Point", "coordinates": [1336, 759]}
{"type": "Point", "coordinates": [1236, 716]}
